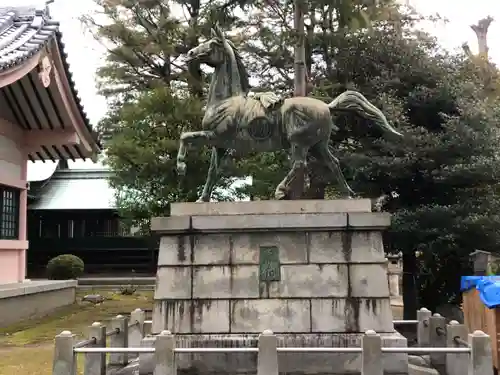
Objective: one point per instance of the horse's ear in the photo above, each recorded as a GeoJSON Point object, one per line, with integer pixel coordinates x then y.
{"type": "Point", "coordinates": [213, 33]}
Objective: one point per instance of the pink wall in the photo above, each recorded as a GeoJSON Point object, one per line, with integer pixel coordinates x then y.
{"type": "Point", "coordinates": [13, 166]}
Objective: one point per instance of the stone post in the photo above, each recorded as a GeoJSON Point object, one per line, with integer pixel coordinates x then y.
{"type": "Point", "coordinates": [164, 357]}
{"type": "Point", "coordinates": [372, 363]}
{"type": "Point", "coordinates": [456, 363]}
{"type": "Point", "coordinates": [136, 329]}
{"type": "Point", "coordinates": [481, 361]}
{"type": "Point", "coordinates": [146, 360]}
{"type": "Point", "coordinates": [267, 362]}
{"type": "Point", "coordinates": [437, 335]}
{"type": "Point", "coordinates": [423, 337]}
{"type": "Point", "coordinates": [95, 363]}
{"type": "Point", "coordinates": [64, 357]}
{"type": "Point", "coordinates": [119, 340]}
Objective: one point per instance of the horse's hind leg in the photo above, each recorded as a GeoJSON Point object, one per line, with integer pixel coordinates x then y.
{"type": "Point", "coordinates": [319, 175]}
{"type": "Point", "coordinates": [299, 158]}
{"type": "Point", "coordinates": [332, 163]}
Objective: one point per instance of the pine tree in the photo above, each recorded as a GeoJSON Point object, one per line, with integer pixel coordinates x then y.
{"type": "Point", "coordinates": [153, 98]}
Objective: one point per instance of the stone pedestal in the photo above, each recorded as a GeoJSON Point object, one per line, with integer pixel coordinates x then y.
{"type": "Point", "coordinates": [304, 269]}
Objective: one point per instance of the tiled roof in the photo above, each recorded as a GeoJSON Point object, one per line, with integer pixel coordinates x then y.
{"type": "Point", "coordinates": [90, 186]}
{"type": "Point", "coordinates": [24, 31]}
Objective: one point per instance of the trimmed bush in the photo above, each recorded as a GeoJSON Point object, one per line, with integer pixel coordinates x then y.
{"type": "Point", "coordinates": [65, 267]}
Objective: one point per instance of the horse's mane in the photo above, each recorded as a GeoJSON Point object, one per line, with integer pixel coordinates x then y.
{"type": "Point", "coordinates": [245, 83]}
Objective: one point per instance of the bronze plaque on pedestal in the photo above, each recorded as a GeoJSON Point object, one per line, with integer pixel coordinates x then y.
{"type": "Point", "coordinates": [269, 264]}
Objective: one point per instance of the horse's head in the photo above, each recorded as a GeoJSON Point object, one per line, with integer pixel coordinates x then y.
{"type": "Point", "coordinates": [212, 52]}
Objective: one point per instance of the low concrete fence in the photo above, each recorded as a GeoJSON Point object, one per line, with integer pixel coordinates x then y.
{"type": "Point", "coordinates": [449, 345]}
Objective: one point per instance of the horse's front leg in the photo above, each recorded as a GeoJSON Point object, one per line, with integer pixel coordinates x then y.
{"type": "Point", "coordinates": [199, 138]}
{"type": "Point", "coordinates": [213, 173]}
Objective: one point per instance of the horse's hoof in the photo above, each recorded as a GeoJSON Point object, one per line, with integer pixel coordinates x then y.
{"type": "Point", "coordinates": [202, 200]}
{"type": "Point", "coordinates": [279, 195]}
{"type": "Point", "coordinates": [181, 168]}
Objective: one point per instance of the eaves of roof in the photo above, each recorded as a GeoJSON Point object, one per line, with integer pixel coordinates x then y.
{"type": "Point", "coordinates": [25, 31]}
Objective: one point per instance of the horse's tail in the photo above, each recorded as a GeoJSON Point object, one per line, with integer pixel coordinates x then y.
{"type": "Point", "coordinates": [356, 102]}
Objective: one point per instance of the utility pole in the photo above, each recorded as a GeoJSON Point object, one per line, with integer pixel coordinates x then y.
{"type": "Point", "coordinates": [297, 185]}
{"type": "Point", "coordinates": [300, 49]}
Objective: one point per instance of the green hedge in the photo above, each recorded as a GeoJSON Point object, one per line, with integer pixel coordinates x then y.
{"type": "Point", "coordinates": [65, 267]}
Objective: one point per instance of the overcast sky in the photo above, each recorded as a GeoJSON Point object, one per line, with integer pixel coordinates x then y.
{"type": "Point", "coordinates": [85, 54]}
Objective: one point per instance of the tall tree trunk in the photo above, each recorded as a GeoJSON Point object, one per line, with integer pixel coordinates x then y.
{"type": "Point", "coordinates": [481, 30]}
{"type": "Point", "coordinates": [297, 186]}
{"type": "Point", "coordinates": [409, 285]}
{"type": "Point", "coordinates": [481, 60]}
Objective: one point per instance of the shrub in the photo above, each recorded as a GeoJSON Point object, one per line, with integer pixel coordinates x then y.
{"type": "Point", "coordinates": [65, 267]}
{"type": "Point", "coordinates": [128, 290]}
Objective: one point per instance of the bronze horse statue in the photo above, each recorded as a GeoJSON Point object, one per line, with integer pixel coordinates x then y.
{"type": "Point", "coordinates": [234, 120]}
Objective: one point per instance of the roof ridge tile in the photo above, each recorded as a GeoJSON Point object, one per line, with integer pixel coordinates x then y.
{"type": "Point", "coordinates": [6, 21]}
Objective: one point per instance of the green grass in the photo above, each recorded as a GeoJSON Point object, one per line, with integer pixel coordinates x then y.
{"type": "Point", "coordinates": [26, 348]}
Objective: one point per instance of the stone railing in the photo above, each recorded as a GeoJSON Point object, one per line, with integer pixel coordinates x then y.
{"type": "Point", "coordinates": [449, 346]}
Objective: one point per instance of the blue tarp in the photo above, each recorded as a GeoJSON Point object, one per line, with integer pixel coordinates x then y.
{"type": "Point", "coordinates": [488, 287]}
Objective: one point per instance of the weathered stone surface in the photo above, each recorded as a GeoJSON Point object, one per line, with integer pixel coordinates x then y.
{"type": "Point", "coordinates": [368, 280]}
{"type": "Point", "coordinates": [311, 281]}
{"type": "Point", "coordinates": [369, 220]}
{"type": "Point", "coordinates": [327, 247]}
{"type": "Point", "coordinates": [173, 282]}
{"type": "Point", "coordinates": [93, 298]}
{"type": "Point", "coordinates": [195, 316]}
{"type": "Point", "coordinates": [332, 279]}
{"type": "Point", "coordinates": [367, 247]}
{"type": "Point", "coordinates": [174, 250]}
{"type": "Point", "coordinates": [226, 282]}
{"type": "Point", "coordinates": [291, 245]}
{"type": "Point", "coordinates": [279, 315]}
{"type": "Point", "coordinates": [278, 222]}
{"type": "Point", "coordinates": [418, 360]}
{"type": "Point", "coordinates": [421, 370]}
{"type": "Point", "coordinates": [159, 317]}
{"type": "Point", "coordinates": [270, 207]}
{"type": "Point", "coordinates": [328, 315]}
{"type": "Point", "coordinates": [296, 363]}
{"type": "Point", "coordinates": [395, 362]}
{"type": "Point", "coordinates": [375, 312]}
{"type": "Point", "coordinates": [211, 248]}
{"type": "Point", "coordinates": [170, 224]}
{"type": "Point", "coordinates": [350, 315]}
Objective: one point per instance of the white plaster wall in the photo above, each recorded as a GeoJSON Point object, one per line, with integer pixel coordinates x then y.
{"type": "Point", "coordinates": [10, 148]}
{"type": "Point", "coordinates": [10, 170]}
{"type": "Point", "coordinates": [11, 156]}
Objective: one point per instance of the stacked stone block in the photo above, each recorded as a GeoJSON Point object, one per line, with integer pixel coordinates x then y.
{"type": "Point", "coordinates": [333, 271]}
